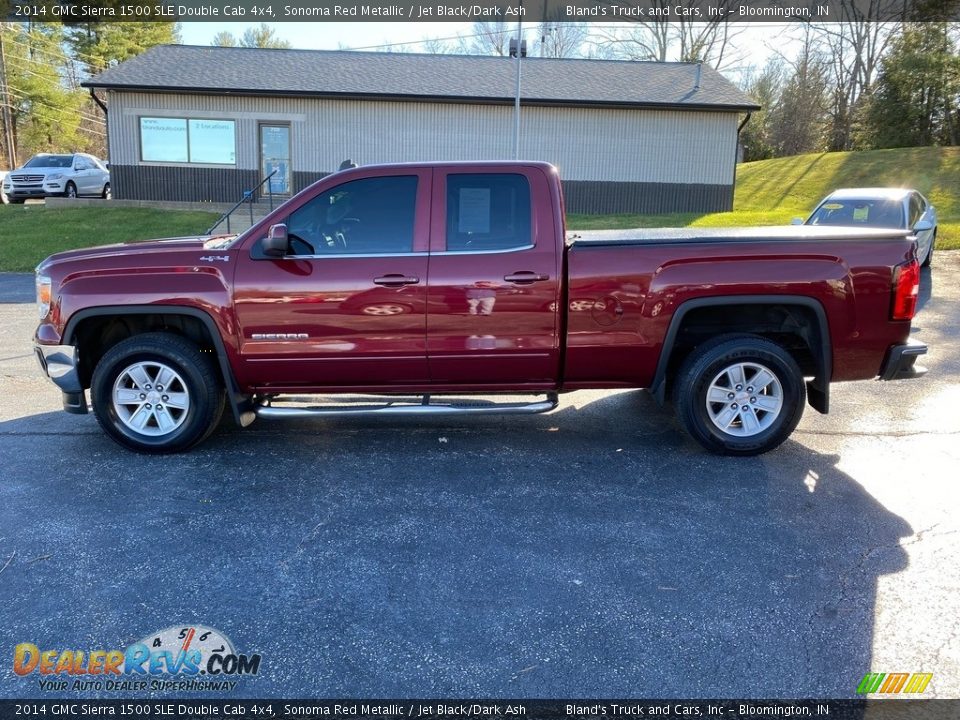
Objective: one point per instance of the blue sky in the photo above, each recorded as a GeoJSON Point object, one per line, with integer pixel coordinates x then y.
{"type": "Point", "coordinates": [329, 35]}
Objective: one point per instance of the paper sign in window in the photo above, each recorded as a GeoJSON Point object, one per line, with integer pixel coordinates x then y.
{"type": "Point", "coordinates": [474, 210]}
{"type": "Point", "coordinates": [860, 213]}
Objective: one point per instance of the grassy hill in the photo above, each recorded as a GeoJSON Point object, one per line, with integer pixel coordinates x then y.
{"type": "Point", "coordinates": [771, 192]}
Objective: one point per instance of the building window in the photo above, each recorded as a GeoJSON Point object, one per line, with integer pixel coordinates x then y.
{"type": "Point", "coordinates": [181, 140]}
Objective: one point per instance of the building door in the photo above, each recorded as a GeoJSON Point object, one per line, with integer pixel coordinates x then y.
{"type": "Point", "coordinates": [275, 155]}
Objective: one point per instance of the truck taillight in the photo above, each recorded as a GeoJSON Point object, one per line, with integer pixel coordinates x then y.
{"type": "Point", "coordinates": [906, 288]}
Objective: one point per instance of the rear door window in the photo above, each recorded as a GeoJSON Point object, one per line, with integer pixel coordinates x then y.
{"type": "Point", "coordinates": [488, 212]}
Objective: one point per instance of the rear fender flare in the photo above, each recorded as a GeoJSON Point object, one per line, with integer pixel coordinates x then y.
{"type": "Point", "coordinates": [818, 389]}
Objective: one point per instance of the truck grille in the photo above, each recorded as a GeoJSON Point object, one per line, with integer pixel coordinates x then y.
{"type": "Point", "coordinates": [27, 178]}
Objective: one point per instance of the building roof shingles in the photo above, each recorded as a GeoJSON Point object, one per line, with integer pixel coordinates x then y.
{"type": "Point", "coordinates": [254, 71]}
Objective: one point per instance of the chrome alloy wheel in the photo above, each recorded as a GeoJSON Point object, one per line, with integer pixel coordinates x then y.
{"type": "Point", "coordinates": [150, 398]}
{"type": "Point", "coordinates": [744, 399]}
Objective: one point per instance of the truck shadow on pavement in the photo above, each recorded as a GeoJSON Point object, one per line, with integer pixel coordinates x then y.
{"type": "Point", "coordinates": [593, 552]}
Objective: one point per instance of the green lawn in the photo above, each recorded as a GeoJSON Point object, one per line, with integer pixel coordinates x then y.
{"type": "Point", "coordinates": [29, 233]}
{"type": "Point", "coordinates": [772, 192]}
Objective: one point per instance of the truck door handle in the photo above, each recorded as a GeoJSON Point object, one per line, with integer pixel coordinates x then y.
{"type": "Point", "coordinates": [395, 280]}
{"type": "Point", "coordinates": [525, 277]}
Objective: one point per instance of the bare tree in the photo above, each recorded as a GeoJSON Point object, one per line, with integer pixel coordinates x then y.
{"type": "Point", "coordinates": [663, 39]}
{"type": "Point", "coordinates": [561, 39]}
{"type": "Point", "coordinates": [224, 38]}
{"type": "Point", "coordinates": [488, 38]}
{"type": "Point", "coordinates": [438, 46]}
{"type": "Point", "coordinates": [263, 36]}
{"type": "Point", "coordinates": [854, 45]}
{"type": "Point", "coordinates": [796, 123]}
{"type": "Point", "coordinates": [644, 40]}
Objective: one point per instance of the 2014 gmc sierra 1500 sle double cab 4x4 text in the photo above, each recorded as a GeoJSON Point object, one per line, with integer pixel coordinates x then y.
{"type": "Point", "coordinates": [453, 279]}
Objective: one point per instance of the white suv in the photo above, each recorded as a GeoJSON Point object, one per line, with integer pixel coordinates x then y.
{"type": "Point", "coordinates": [67, 175]}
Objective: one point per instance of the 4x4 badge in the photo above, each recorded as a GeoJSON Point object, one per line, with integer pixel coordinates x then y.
{"type": "Point", "coordinates": [211, 258]}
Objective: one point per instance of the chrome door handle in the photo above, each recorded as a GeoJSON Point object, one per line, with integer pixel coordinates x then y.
{"type": "Point", "coordinates": [524, 277]}
{"type": "Point", "coordinates": [395, 280]}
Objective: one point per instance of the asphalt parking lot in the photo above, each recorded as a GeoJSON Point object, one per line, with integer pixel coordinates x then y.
{"type": "Point", "coordinates": [592, 552]}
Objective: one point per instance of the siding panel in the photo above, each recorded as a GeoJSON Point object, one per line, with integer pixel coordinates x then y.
{"type": "Point", "coordinates": [599, 198]}
{"type": "Point", "coordinates": [186, 184]}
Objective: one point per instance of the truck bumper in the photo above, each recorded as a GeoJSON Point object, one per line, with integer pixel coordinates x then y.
{"type": "Point", "coordinates": [900, 363]}
{"type": "Point", "coordinates": [59, 363]}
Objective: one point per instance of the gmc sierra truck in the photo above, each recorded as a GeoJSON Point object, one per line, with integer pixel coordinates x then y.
{"type": "Point", "coordinates": [421, 285]}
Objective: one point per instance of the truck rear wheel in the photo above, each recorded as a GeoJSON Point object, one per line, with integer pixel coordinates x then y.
{"type": "Point", "coordinates": [157, 393]}
{"type": "Point", "coordinates": [739, 395]}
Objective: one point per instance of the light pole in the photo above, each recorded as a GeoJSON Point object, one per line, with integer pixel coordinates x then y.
{"type": "Point", "coordinates": [516, 99]}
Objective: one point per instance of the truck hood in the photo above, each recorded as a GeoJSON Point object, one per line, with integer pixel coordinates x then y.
{"type": "Point", "coordinates": [139, 251]}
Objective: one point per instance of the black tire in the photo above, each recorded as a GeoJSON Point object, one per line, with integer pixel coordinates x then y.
{"type": "Point", "coordinates": [106, 192]}
{"type": "Point", "coordinates": [195, 374]}
{"type": "Point", "coordinates": [708, 363]}
{"type": "Point", "coordinates": [70, 190]}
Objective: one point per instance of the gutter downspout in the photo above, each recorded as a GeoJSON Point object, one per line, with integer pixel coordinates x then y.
{"type": "Point", "coordinates": [103, 107]}
{"type": "Point", "coordinates": [736, 157]}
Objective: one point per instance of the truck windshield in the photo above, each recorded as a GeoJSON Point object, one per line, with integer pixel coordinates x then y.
{"type": "Point", "coordinates": [866, 212]}
{"type": "Point", "coordinates": [53, 161]}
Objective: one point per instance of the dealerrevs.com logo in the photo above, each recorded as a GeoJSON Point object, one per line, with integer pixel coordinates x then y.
{"type": "Point", "coordinates": [180, 658]}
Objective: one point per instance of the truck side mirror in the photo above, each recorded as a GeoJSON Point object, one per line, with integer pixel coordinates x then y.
{"type": "Point", "coordinates": [276, 243]}
{"type": "Point", "coordinates": [923, 225]}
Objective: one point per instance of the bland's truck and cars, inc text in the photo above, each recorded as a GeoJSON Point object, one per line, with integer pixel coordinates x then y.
{"type": "Point", "coordinates": [453, 279]}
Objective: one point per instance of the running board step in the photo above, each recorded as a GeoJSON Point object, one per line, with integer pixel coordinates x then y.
{"type": "Point", "coordinates": [405, 407]}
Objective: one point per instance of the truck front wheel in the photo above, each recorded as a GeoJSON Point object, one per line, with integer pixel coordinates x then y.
{"type": "Point", "coordinates": [739, 395]}
{"type": "Point", "coordinates": [156, 393]}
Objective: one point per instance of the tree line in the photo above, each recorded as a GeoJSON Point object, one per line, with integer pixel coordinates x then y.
{"type": "Point", "coordinates": [858, 87]}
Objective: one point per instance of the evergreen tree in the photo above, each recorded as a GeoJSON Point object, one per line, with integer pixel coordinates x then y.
{"type": "Point", "coordinates": [45, 108]}
{"type": "Point", "coordinates": [915, 102]}
{"type": "Point", "coordinates": [101, 45]}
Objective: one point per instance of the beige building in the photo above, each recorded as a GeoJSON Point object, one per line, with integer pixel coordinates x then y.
{"type": "Point", "coordinates": [206, 123]}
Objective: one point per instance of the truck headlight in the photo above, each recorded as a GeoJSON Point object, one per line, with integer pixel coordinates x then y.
{"type": "Point", "coordinates": [43, 295]}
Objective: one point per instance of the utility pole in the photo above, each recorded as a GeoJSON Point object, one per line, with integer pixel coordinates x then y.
{"type": "Point", "coordinates": [520, 52]}
{"type": "Point", "coordinates": [5, 105]}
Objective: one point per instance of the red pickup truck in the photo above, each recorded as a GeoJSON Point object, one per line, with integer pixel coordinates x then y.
{"type": "Point", "coordinates": [452, 279]}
